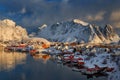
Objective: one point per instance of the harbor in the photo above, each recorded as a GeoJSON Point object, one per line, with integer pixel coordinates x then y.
{"type": "Point", "coordinates": [88, 61]}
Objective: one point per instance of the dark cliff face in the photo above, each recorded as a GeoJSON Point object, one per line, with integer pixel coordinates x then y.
{"type": "Point", "coordinates": [109, 31]}
{"type": "Point", "coordinates": [78, 31]}
{"type": "Point", "coordinates": [98, 30]}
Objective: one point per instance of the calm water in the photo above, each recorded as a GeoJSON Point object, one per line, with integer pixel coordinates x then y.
{"type": "Point", "coordinates": [22, 66]}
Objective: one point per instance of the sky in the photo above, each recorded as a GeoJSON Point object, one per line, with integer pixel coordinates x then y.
{"type": "Point", "coordinates": [32, 14]}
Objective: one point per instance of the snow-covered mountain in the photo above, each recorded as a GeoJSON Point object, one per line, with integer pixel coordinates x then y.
{"type": "Point", "coordinates": [78, 31]}
{"type": "Point", "coordinates": [9, 31]}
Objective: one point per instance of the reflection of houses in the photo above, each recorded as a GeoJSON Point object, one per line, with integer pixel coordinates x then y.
{"type": "Point", "coordinates": [44, 57]}
{"type": "Point", "coordinates": [9, 60]}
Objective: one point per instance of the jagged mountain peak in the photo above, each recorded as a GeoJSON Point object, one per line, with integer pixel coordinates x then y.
{"type": "Point", "coordinates": [79, 31]}
{"type": "Point", "coordinates": [78, 21]}
{"type": "Point", "coordinates": [43, 26]}
{"type": "Point", "coordinates": [8, 22]}
{"type": "Point", "coordinates": [109, 28]}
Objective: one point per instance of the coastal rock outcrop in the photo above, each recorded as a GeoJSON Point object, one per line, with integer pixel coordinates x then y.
{"type": "Point", "coordinates": [10, 31]}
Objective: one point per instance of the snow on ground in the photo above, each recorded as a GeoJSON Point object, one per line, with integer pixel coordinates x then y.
{"type": "Point", "coordinates": [94, 56]}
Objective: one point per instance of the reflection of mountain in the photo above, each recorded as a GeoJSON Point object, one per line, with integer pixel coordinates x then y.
{"type": "Point", "coordinates": [9, 60]}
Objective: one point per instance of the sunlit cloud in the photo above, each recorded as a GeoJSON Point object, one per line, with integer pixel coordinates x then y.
{"type": "Point", "coordinates": [116, 24]}
{"type": "Point", "coordinates": [97, 17]}
{"type": "Point", "coordinates": [33, 13]}
{"type": "Point", "coordinates": [115, 16]}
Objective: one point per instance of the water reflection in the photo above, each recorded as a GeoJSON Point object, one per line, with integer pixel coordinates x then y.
{"type": "Point", "coordinates": [114, 75]}
{"type": "Point", "coordinates": [9, 60]}
{"type": "Point", "coordinates": [35, 69]}
{"type": "Point", "coordinates": [43, 57]}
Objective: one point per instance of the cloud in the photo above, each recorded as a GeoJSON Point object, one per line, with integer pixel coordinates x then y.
{"type": "Point", "coordinates": [33, 13]}
{"type": "Point", "coordinates": [115, 16]}
{"type": "Point", "coordinates": [65, 1]}
{"type": "Point", "coordinates": [96, 17]}
{"type": "Point", "coordinates": [117, 24]}
{"type": "Point", "coordinates": [23, 11]}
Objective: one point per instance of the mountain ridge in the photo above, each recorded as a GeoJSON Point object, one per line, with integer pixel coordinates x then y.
{"type": "Point", "coordinates": [79, 31]}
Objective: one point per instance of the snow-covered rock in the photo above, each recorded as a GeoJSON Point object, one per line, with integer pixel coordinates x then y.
{"type": "Point", "coordinates": [80, 22]}
{"type": "Point", "coordinates": [43, 26]}
{"type": "Point", "coordinates": [78, 31]}
{"type": "Point", "coordinates": [9, 31]}
{"type": "Point", "coordinates": [8, 22]}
